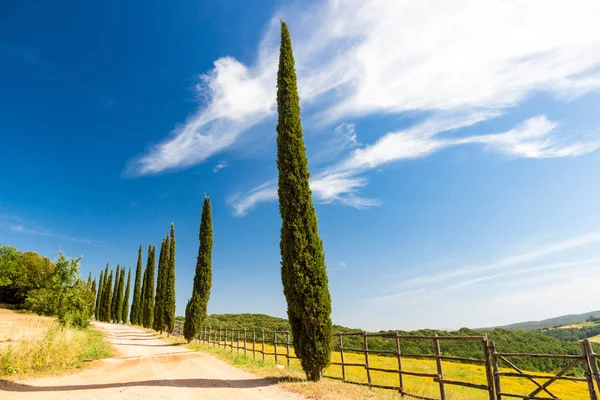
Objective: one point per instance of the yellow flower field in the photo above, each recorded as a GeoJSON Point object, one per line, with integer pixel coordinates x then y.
{"type": "Point", "coordinates": [471, 373]}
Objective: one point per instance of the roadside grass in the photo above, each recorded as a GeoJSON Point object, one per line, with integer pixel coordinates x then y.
{"type": "Point", "coordinates": [293, 379]}
{"type": "Point", "coordinates": [47, 348]}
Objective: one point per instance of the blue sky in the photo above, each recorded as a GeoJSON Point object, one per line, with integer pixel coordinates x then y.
{"type": "Point", "coordinates": [452, 147]}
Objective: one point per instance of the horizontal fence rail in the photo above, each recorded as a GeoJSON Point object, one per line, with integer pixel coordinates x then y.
{"type": "Point", "coordinates": [497, 366]}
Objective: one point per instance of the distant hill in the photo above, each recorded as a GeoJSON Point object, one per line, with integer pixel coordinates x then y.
{"type": "Point", "coordinates": [550, 322]}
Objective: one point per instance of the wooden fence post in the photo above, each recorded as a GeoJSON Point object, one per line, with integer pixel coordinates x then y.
{"type": "Point", "coordinates": [496, 367]}
{"type": "Point", "coordinates": [238, 340]}
{"type": "Point", "coordinates": [587, 351]}
{"type": "Point", "coordinates": [232, 332]}
{"type": "Point", "coordinates": [366, 348]}
{"type": "Point", "coordinates": [438, 362]}
{"type": "Point", "coordinates": [287, 346]}
{"type": "Point", "coordinates": [399, 356]}
{"type": "Point", "coordinates": [254, 344]}
{"type": "Point", "coordinates": [275, 345]}
{"type": "Point", "coordinates": [342, 357]}
{"type": "Point", "coordinates": [488, 367]}
{"type": "Point", "coordinates": [262, 341]}
{"type": "Point", "coordinates": [593, 362]}
{"type": "Point", "coordinates": [219, 338]}
{"type": "Point", "coordinates": [245, 350]}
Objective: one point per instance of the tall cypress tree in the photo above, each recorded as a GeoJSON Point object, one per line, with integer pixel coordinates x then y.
{"type": "Point", "coordinates": [93, 306]}
{"type": "Point", "coordinates": [148, 311]}
{"type": "Point", "coordinates": [89, 281]}
{"type": "Point", "coordinates": [115, 296]}
{"type": "Point", "coordinates": [196, 309]}
{"type": "Point", "coordinates": [135, 304]}
{"type": "Point", "coordinates": [119, 311]}
{"type": "Point", "coordinates": [106, 302]}
{"type": "Point", "coordinates": [160, 286]}
{"type": "Point", "coordinates": [143, 292]}
{"type": "Point", "coordinates": [99, 297]}
{"type": "Point", "coordinates": [125, 310]}
{"type": "Point", "coordinates": [303, 271]}
{"type": "Point", "coordinates": [169, 307]}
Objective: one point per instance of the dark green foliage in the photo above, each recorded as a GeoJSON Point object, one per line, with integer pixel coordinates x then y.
{"type": "Point", "coordinates": [107, 299]}
{"type": "Point", "coordinates": [196, 309]}
{"type": "Point", "coordinates": [303, 271]}
{"type": "Point", "coordinates": [169, 307]}
{"type": "Point", "coordinates": [22, 272]}
{"type": "Point", "coordinates": [89, 281]}
{"type": "Point", "coordinates": [115, 296]}
{"type": "Point", "coordinates": [99, 297]}
{"type": "Point", "coordinates": [148, 298]}
{"type": "Point", "coordinates": [125, 310]}
{"type": "Point", "coordinates": [93, 310]}
{"type": "Point", "coordinates": [159, 299]}
{"type": "Point", "coordinates": [137, 290]}
{"type": "Point", "coordinates": [120, 297]}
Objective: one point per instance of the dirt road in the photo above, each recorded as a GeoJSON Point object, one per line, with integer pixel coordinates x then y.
{"type": "Point", "coordinates": [149, 368]}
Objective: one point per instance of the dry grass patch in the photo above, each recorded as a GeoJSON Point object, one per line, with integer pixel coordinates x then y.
{"type": "Point", "coordinates": [48, 348]}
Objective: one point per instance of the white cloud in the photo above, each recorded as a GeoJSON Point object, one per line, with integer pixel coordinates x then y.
{"type": "Point", "coordinates": [502, 269]}
{"type": "Point", "coordinates": [219, 166]}
{"type": "Point", "coordinates": [358, 58]}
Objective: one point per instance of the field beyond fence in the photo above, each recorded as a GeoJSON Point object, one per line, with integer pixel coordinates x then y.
{"type": "Point", "coordinates": [490, 374]}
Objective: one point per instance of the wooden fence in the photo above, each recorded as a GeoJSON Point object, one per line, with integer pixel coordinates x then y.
{"type": "Point", "coordinates": [495, 364]}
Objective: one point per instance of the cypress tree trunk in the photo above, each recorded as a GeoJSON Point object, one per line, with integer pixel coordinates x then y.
{"type": "Point", "coordinates": [99, 297]}
{"type": "Point", "coordinates": [169, 303]}
{"type": "Point", "coordinates": [160, 286]}
{"type": "Point", "coordinates": [196, 309]}
{"type": "Point", "coordinates": [115, 294]}
{"type": "Point", "coordinates": [125, 311]}
{"type": "Point", "coordinates": [148, 312]}
{"type": "Point", "coordinates": [119, 311]}
{"type": "Point", "coordinates": [135, 305]}
{"type": "Point", "coordinates": [303, 271]}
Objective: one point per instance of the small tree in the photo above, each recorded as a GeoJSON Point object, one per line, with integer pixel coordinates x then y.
{"type": "Point", "coordinates": [136, 303]}
{"type": "Point", "coordinates": [196, 309]}
{"type": "Point", "coordinates": [125, 310]}
{"type": "Point", "coordinates": [303, 271]}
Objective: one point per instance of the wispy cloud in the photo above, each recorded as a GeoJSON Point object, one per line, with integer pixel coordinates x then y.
{"type": "Point", "coordinates": [27, 228]}
{"type": "Point", "coordinates": [387, 56]}
{"type": "Point", "coordinates": [519, 264]}
{"type": "Point", "coordinates": [220, 166]}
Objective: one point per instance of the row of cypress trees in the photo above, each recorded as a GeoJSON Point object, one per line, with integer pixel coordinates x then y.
{"type": "Point", "coordinates": [112, 303]}
{"type": "Point", "coordinates": [150, 308]}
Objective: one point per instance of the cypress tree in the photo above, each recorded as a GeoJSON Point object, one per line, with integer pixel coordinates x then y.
{"type": "Point", "coordinates": [143, 292]}
{"type": "Point", "coordinates": [93, 306]}
{"type": "Point", "coordinates": [148, 311]}
{"type": "Point", "coordinates": [119, 312]}
{"type": "Point", "coordinates": [105, 313]}
{"type": "Point", "coordinates": [89, 281]}
{"type": "Point", "coordinates": [99, 297]}
{"type": "Point", "coordinates": [125, 311]}
{"type": "Point", "coordinates": [169, 302]}
{"type": "Point", "coordinates": [115, 296]}
{"type": "Point", "coordinates": [160, 286]}
{"type": "Point", "coordinates": [303, 271]}
{"type": "Point", "coordinates": [106, 297]}
{"type": "Point", "coordinates": [196, 309]}
{"type": "Point", "coordinates": [135, 304]}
